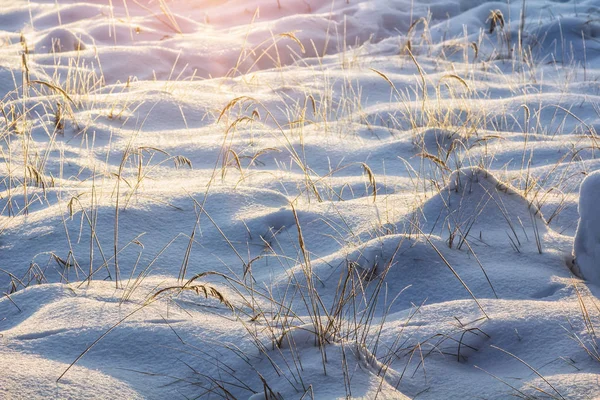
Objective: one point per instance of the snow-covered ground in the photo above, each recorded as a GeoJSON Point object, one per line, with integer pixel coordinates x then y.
{"type": "Point", "coordinates": [299, 199]}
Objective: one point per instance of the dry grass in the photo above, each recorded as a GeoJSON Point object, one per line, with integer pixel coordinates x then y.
{"type": "Point", "coordinates": [452, 101]}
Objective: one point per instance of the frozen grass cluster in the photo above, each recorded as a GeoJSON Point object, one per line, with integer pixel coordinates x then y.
{"type": "Point", "coordinates": [324, 199]}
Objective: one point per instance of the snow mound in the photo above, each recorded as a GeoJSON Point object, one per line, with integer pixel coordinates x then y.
{"type": "Point", "coordinates": [476, 204]}
{"type": "Point", "coordinates": [278, 156]}
{"type": "Point", "coordinates": [435, 140]}
{"type": "Point", "coordinates": [424, 270]}
{"type": "Point", "coordinates": [60, 40]}
{"type": "Point", "coordinates": [32, 376]}
{"type": "Point", "coordinates": [587, 239]}
{"type": "Point", "coordinates": [302, 336]}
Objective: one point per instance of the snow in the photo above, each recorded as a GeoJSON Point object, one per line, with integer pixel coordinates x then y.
{"type": "Point", "coordinates": [60, 40]}
{"type": "Point", "coordinates": [299, 199]}
{"type": "Point", "coordinates": [587, 238]}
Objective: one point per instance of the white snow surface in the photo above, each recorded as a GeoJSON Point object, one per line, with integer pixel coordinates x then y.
{"type": "Point", "coordinates": [587, 238]}
{"type": "Point", "coordinates": [361, 198]}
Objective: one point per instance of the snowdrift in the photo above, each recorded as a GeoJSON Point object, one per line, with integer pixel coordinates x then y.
{"type": "Point", "coordinates": [299, 199]}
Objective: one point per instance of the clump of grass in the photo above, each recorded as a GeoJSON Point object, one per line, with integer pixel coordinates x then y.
{"type": "Point", "coordinates": [351, 319]}
{"type": "Point", "coordinates": [198, 288]}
